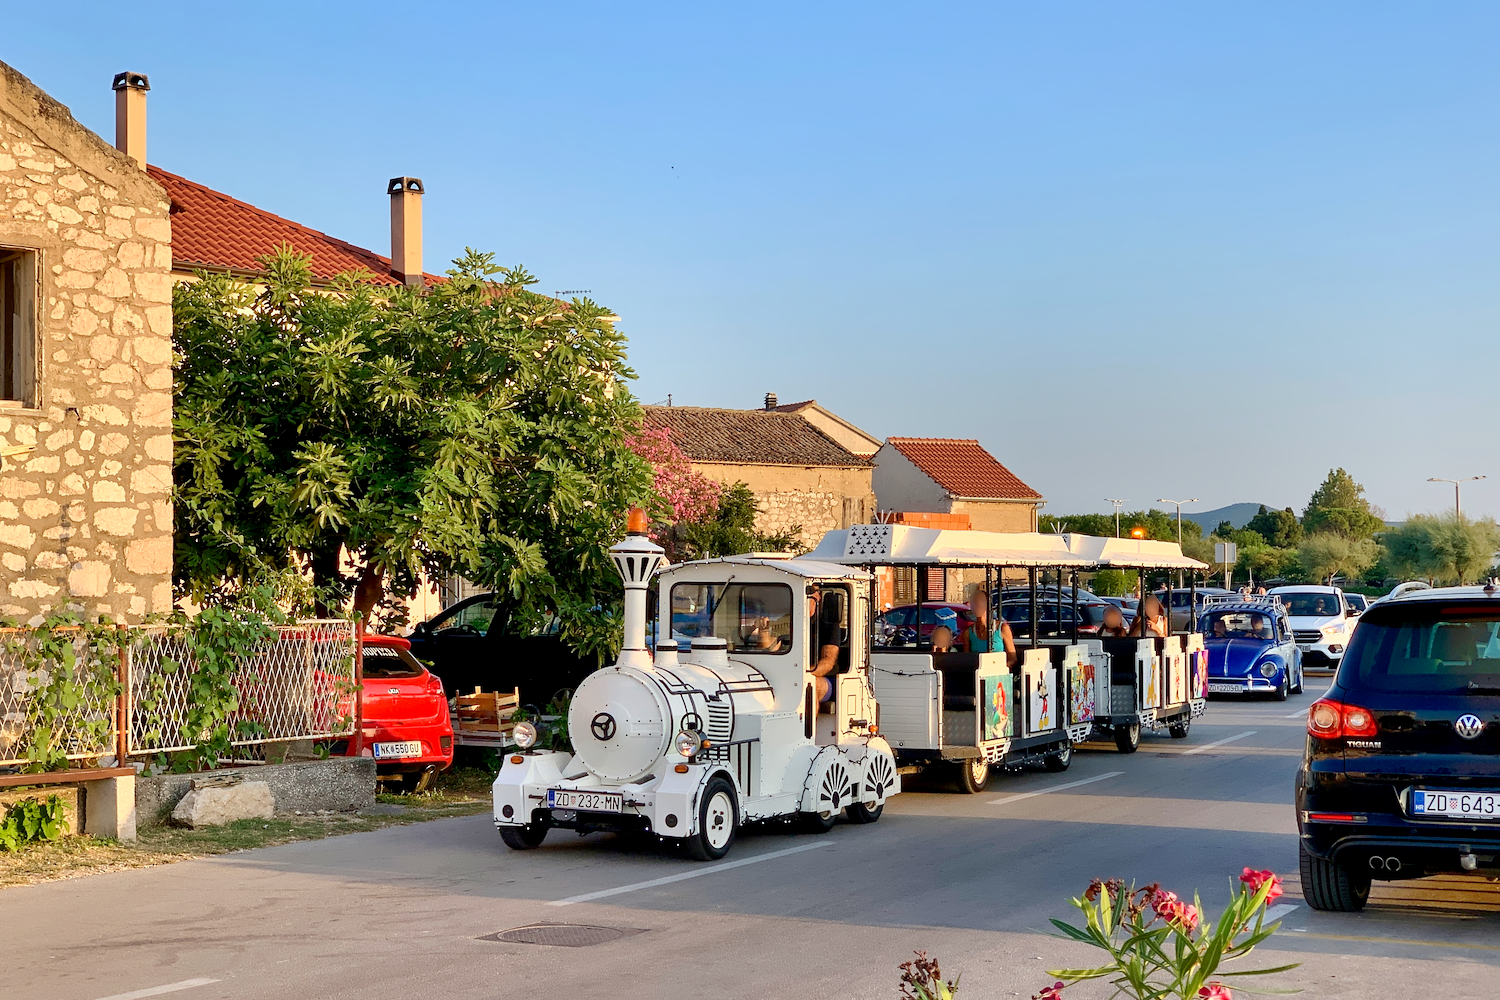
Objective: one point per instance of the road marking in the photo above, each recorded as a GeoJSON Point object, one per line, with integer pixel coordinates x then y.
{"type": "Point", "coordinates": [1054, 788]}
{"type": "Point", "coordinates": [1274, 913]}
{"type": "Point", "coordinates": [156, 991]}
{"type": "Point", "coordinates": [1410, 941]}
{"type": "Point", "coordinates": [682, 876]}
{"type": "Point", "coordinates": [1219, 743]}
{"type": "Point", "coordinates": [1296, 715]}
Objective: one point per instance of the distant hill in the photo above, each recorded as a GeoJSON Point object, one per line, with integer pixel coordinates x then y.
{"type": "Point", "coordinates": [1237, 514]}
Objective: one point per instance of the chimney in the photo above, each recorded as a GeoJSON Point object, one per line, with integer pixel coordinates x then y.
{"type": "Point", "coordinates": [770, 400]}
{"type": "Point", "coordinates": [406, 228]}
{"type": "Point", "coordinates": [130, 115]}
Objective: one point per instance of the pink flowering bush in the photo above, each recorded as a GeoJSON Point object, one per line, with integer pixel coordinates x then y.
{"type": "Point", "coordinates": [687, 495]}
{"type": "Point", "coordinates": [1162, 947]}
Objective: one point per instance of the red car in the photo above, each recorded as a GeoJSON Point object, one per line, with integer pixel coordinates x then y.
{"type": "Point", "coordinates": [406, 726]}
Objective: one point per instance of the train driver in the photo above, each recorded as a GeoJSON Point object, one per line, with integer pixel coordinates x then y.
{"type": "Point", "coordinates": [828, 636]}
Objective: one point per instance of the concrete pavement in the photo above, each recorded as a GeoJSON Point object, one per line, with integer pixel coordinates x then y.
{"type": "Point", "coordinates": [972, 879]}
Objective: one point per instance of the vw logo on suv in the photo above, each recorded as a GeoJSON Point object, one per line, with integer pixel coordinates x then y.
{"type": "Point", "coordinates": [1469, 726]}
{"type": "Point", "coordinates": [603, 727]}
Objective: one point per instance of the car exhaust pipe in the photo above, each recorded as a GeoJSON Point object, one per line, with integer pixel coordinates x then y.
{"type": "Point", "coordinates": [1386, 864]}
{"type": "Point", "coordinates": [1468, 862]}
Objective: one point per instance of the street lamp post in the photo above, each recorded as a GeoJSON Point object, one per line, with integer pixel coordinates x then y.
{"type": "Point", "coordinates": [1178, 504]}
{"type": "Point", "coordinates": [1457, 507]}
{"type": "Point", "coordinates": [1118, 504]}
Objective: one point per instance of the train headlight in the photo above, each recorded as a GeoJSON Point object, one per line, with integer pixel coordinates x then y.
{"type": "Point", "coordinates": [688, 742]}
{"type": "Point", "coordinates": [525, 735]}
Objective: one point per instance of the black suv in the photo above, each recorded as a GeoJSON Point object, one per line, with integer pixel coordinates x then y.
{"type": "Point", "coordinates": [1402, 772]}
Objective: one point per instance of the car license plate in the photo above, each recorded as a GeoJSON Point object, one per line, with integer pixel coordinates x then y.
{"type": "Point", "coordinates": [1455, 805]}
{"type": "Point", "coordinates": [604, 802]}
{"type": "Point", "coordinates": [1226, 688]}
{"type": "Point", "coordinates": [396, 751]}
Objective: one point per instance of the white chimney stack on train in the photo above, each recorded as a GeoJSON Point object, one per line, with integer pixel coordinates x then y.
{"type": "Point", "coordinates": [637, 558]}
{"type": "Point", "coordinates": [406, 228]}
{"type": "Point", "coordinates": [130, 115]}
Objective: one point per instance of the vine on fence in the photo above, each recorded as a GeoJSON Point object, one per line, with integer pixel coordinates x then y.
{"type": "Point", "coordinates": [71, 666]}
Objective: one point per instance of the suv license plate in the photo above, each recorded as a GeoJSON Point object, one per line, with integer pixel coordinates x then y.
{"type": "Point", "coordinates": [603, 802]}
{"type": "Point", "coordinates": [395, 751]}
{"type": "Point", "coordinates": [1455, 805]}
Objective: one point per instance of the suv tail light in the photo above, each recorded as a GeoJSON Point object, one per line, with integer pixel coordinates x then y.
{"type": "Point", "coordinates": [1333, 720]}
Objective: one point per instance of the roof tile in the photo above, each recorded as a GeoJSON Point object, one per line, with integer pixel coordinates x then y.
{"type": "Point", "coordinates": [755, 437]}
{"type": "Point", "coordinates": [963, 468]}
{"type": "Point", "coordinates": [214, 231]}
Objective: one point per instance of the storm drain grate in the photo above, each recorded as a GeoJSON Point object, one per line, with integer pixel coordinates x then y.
{"type": "Point", "coordinates": [562, 935]}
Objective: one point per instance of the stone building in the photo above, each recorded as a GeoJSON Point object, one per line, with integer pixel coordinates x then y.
{"type": "Point", "coordinates": [953, 476]}
{"type": "Point", "coordinates": [86, 382]}
{"type": "Point", "coordinates": [800, 475]}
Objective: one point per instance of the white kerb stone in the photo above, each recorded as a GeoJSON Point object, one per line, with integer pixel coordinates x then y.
{"type": "Point", "coordinates": [216, 805]}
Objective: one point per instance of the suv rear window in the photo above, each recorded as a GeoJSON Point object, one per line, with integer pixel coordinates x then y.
{"type": "Point", "coordinates": [1425, 647]}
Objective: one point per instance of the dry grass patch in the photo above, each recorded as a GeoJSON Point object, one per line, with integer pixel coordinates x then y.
{"type": "Point", "coordinates": [462, 793]}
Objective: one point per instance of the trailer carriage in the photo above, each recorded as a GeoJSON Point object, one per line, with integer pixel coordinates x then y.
{"type": "Point", "coordinates": [980, 711]}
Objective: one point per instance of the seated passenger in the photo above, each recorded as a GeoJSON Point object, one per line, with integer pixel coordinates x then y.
{"type": "Point", "coordinates": [761, 636]}
{"type": "Point", "coordinates": [1114, 623]}
{"type": "Point", "coordinates": [1259, 627]}
{"type": "Point", "coordinates": [942, 639]}
{"type": "Point", "coordinates": [976, 638]}
{"type": "Point", "coordinates": [1152, 619]}
{"type": "Point", "coordinates": [829, 638]}
{"type": "Point", "coordinates": [1221, 631]}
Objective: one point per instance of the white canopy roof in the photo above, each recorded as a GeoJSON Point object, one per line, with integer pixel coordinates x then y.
{"type": "Point", "coordinates": [1132, 553]}
{"type": "Point", "coordinates": [900, 544]}
{"type": "Point", "coordinates": [892, 544]}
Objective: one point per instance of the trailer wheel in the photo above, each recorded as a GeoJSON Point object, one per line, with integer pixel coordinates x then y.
{"type": "Point", "coordinates": [973, 775]}
{"type": "Point", "coordinates": [858, 812]}
{"type": "Point", "coordinates": [1179, 730]}
{"type": "Point", "coordinates": [1128, 738]}
{"type": "Point", "coordinates": [1060, 760]}
{"type": "Point", "coordinates": [718, 818]}
{"type": "Point", "coordinates": [523, 838]}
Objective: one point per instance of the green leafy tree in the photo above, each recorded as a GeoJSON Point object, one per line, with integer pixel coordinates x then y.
{"type": "Point", "coordinates": [1444, 549]}
{"type": "Point", "coordinates": [729, 531]}
{"type": "Point", "coordinates": [1326, 554]}
{"type": "Point", "coordinates": [1279, 528]}
{"type": "Point", "coordinates": [475, 427]}
{"type": "Point", "coordinates": [1114, 583]}
{"type": "Point", "coordinates": [1339, 506]}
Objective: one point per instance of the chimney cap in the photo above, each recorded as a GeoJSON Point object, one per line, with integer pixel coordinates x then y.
{"type": "Point", "coordinates": [770, 400]}
{"type": "Point", "coordinates": [131, 81]}
{"type": "Point", "coordinates": [398, 185]}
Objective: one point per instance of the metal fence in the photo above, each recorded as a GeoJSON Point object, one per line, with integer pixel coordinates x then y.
{"type": "Point", "coordinates": [84, 725]}
{"type": "Point", "coordinates": [301, 684]}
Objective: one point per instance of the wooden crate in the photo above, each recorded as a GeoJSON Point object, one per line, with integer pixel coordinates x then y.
{"type": "Point", "coordinates": [485, 718]}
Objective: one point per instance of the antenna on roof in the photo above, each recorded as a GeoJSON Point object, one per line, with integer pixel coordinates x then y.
{"type": "Point", "coordinates": [572, 291]}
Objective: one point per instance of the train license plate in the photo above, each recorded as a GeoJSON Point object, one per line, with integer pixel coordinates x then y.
{"type": "Point", "coordinates": [1455, 805]}
{"type": "Point", "coordinates": [1226, 689]}
{"type": "Point", "coordinates": [396, 751]}
{"type": "Point", "coordinates": [603, 802]}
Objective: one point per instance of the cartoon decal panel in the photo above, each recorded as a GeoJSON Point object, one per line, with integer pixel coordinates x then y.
{"type": "Point", "coordinates": [996, 693]}
{"type": "Point", "coordinates": [1041, 692]}
{"type": "Point", "coordinates": [1082, 686]}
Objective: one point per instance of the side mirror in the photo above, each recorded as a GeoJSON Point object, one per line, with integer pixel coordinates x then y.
{"type": "Point", "coordinates": [1351, 613]}
{"type": "Point", "coordinates": [422, 629]}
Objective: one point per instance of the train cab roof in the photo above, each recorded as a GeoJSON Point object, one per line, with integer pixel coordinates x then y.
{"type": "Point", "coordinates": [900, 544]}
{"type": "Point", "coordinates": [810, 569]}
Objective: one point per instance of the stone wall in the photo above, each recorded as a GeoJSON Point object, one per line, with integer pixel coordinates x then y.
{"type": "Point", "coordinates": [818, 498]}
{"type": "Point", "coordinates": [86, 518]}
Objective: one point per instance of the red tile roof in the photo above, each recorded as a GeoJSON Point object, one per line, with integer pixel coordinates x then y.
{"type": "Point", "coordinates": [963, 468]}
{"type": "Point", "coordinates": [749, 437]}
{"type": "Point", "coordinates": [213, 231]}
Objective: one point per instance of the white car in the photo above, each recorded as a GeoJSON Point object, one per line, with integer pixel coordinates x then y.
{"type": "Point", "coordinates": [1321, 622]}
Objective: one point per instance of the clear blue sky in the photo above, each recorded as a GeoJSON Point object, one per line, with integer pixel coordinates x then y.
{"type": "Point", "coordinates": [1084, 233]}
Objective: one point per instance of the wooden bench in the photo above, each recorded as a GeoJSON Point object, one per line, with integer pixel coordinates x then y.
{"type": "Point", "coordinates": [486, 719]}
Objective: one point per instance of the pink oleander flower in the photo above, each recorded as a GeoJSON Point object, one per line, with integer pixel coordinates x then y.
{"type": "Point", "coordinates": [1053, 992]}
{"type": "Point", "coordinates": [1255, 879]}
{"type": "Point", "coordinates": [1168, 908]}
{"type": "Point", "coordinates": [1216, 991]}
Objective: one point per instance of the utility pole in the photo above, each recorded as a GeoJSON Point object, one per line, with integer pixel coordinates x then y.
{"type": "Point", "coordinates": [1118, 504]}
{"type": "Point", "coordinates": [1457, 507]}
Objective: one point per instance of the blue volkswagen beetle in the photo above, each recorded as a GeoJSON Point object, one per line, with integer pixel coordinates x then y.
{"type": "Point", "coordinates": [1250, 647]}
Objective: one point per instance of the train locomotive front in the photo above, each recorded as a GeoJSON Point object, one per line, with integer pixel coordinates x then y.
{"type": "Point", "coordinates": [689, 744]}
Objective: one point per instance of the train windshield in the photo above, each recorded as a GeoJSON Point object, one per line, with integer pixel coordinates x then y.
{"type": "Point", "coordinates": [751, 617]}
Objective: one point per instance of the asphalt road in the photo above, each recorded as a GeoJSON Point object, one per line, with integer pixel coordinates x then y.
{"type": "Point", "coordinates": [410, 911]}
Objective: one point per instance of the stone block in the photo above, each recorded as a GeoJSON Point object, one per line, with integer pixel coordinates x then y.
{"type": "Point", "coordinates": [149, 556]}
{"type": "Point", "coordinates": [109, 807]}
{"type": "Point", "coordinates": [213, 803]}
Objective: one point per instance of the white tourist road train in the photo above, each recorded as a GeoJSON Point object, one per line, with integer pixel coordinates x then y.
{"type": "Point", "coordinates": [760, 701]}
